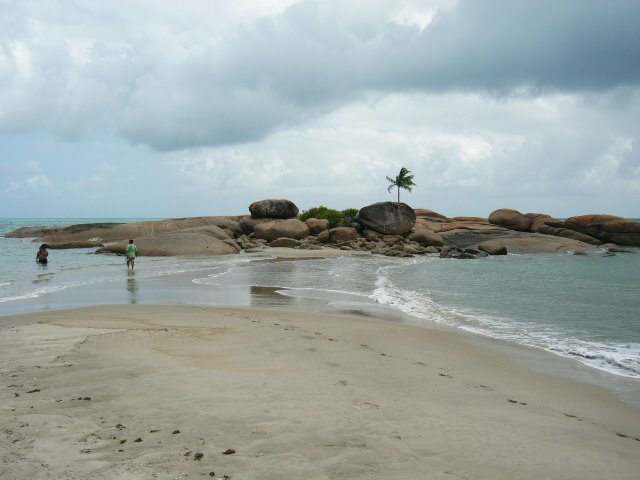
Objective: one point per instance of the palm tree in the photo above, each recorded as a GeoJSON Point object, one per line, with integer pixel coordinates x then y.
{"type": "Point", "coordinates": [402, 180]}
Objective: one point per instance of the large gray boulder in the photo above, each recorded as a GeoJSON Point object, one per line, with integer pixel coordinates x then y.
{"type": "Point", "coordinates": [511, 219]}
{"type": "Point", "coordinates": [291, 228]}
{"type": "Point", "coordinates": [391, 218]}
{"type": "Point", "coordinates": [273, 208]}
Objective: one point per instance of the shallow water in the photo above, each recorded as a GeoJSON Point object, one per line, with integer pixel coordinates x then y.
{"type": "Point", "coordinates": [583, 307]}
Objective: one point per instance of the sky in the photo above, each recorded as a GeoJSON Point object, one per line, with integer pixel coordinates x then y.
{"type": "Point", "coordinates": [158, 109]}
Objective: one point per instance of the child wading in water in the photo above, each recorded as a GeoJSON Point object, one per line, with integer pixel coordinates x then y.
{"type": "Point", "coordinates": [132, 253]}
{"type": "Point", "coordinates": [42, 256]}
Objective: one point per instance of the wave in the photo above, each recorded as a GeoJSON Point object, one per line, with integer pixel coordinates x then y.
{"type": "Point", "coordinates": [617, 358]}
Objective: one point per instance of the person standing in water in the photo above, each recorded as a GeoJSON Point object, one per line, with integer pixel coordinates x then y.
{"type": "Point", "coordinates": [42, 256]}
{"type": "Point", "coordinates": [132, 253]}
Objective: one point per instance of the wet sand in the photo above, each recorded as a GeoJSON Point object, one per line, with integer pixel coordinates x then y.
{"type": "Point", "coordinates": [143, 391]}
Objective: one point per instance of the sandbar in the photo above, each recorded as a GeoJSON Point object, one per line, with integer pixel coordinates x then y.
{"type": "Point", "coordinates": [145, 391]}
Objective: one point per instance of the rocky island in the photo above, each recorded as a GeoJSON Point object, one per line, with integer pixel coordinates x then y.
{"type": "Point", "coordinates": [385, 228]}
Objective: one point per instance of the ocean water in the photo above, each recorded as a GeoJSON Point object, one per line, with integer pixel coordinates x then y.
{"type": "Point", "coordinates": [585, 307]}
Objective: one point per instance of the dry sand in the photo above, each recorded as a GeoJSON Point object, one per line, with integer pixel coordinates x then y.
{"type": "Point", "coordinates": [145, 392]}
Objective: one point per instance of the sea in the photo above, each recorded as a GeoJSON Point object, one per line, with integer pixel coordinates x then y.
{"type": "Point", "coordinates": [582, 307]}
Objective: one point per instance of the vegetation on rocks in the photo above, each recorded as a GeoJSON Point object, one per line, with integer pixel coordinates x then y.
{"type": "Point", "coordinates": [333, 216]}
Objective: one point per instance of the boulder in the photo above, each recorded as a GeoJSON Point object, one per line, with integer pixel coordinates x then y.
{"type": "Point", "coordinates": [273, 208]}
{"type": "Point", "coordinates": [317, 225]}
{"type": "Point", "coordinates": [285, 242]}
{"type": "Point", "coordinates": [541, 223]}
{"type": "Point", "coordinates": [247, 224]}
{"type": "Point", "coordinates": [323, 237]}
{"type": "Point", "coordinates": [342, 234]}
{"type": "Point", "coordinates": [231, 225]}
{"type": "Point", "coordinates": [371, 235]}
{"type": "Point", "coordinates": [291, 228]}
{"type": "Point", "coordinates": [393, 218]}
{"type": "Point", "coordinates": [492, 249]}
{"type": "Point", "coordinates": [472, 253]}
{"type": "Point", "coordinates": [534, 243]}
{"type": "Point", "coordinates": [511, 219]}
{"type": "Point", "coordinates": [538, 221]}
{"type": "Point", "coordinates": [170, 244]}
{"type": "Point", "coordinates": [607, 228]}
{"type": "Point", "coordinates": [411, 250]}
{"type": "Point", "coordinates": [427, 238]}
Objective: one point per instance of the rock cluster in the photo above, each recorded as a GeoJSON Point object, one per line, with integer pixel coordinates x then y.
{"type": "Point", "coordinates": [594, 229]}
{"type": "Point", "coordinates": [386, 228]}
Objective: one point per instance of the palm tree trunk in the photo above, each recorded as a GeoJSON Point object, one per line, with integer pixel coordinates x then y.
{"type": "Point", "coordinates": [398, 194]}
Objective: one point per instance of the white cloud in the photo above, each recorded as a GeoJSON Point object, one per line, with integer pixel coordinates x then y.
{"type": "Point", "coordinates": [36, 182]}
{"type": "Point", "coordinates": [504, 103]}
{"type": "Point", "coordinates": [451, 143]}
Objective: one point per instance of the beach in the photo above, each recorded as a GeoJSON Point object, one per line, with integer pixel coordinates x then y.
{"type": "Point", "coordinates": [145, 391]}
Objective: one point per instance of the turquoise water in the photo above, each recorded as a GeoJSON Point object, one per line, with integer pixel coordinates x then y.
{"type": "Point", "coordinates": [582, 307]}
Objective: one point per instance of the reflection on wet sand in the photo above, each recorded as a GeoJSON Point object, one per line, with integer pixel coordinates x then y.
{"type": "Point", "coordinates": [43, 277]}
{"type": "Point", "coordinates": [270, 296]}
{"type": "Point", "coordinates": [132, 287]}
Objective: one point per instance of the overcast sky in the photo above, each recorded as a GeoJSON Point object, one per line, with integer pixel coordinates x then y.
{"type": "Point", "coordinates": [149, 108]}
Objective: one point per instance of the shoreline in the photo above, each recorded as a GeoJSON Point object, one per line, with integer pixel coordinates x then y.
{"type": "Point", "coordinates": [295, 394]}
{"type": "Point", "coordinates": [183, 290]}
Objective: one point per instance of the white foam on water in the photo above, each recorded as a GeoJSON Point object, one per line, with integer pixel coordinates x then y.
{"type": "Point", "coordinates": [617, 358]}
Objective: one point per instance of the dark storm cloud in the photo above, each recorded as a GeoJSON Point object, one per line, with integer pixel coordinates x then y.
{"type": "Point", "coordinates": [175, 83]}
{"type": "Point", "coordinates": [282, 71]}
{"type": "Point", "coordinates": [544, 45]}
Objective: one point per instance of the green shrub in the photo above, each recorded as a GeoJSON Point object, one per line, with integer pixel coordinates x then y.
{"type": "Point", "coordinates": [335, 217]}
{"type": "Point", "coordinates": [350, 214]}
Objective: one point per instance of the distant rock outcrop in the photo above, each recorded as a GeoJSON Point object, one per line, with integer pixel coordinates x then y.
{"type": "Point", "coordinates": [273, 208]}
{"type": "Point", "coordinates": [391, 218]}
{"type": "Point", "coordinates": [110, 232]}
{"type": "Point", "coordinates": [607, 228]}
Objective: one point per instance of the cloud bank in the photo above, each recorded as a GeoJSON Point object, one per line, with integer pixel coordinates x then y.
{"type": "Point", "coordinates": [509, 100]}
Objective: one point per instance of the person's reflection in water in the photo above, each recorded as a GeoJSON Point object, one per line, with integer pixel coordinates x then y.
{"type": "Point", "coordinates": [269, 296]}
{"type": "Point", "coordinates": [132, 286]}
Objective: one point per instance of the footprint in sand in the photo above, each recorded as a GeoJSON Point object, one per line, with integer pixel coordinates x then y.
{"type": "Point", "coordinates": [568, 415]}
{"type": "Point", "coordinates": [622, 435]}
{"type": "Point", "coordinates": [485, 387]}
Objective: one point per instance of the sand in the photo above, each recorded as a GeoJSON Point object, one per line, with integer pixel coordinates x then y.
{"type": "Point", "coordinates": [145, 392]}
